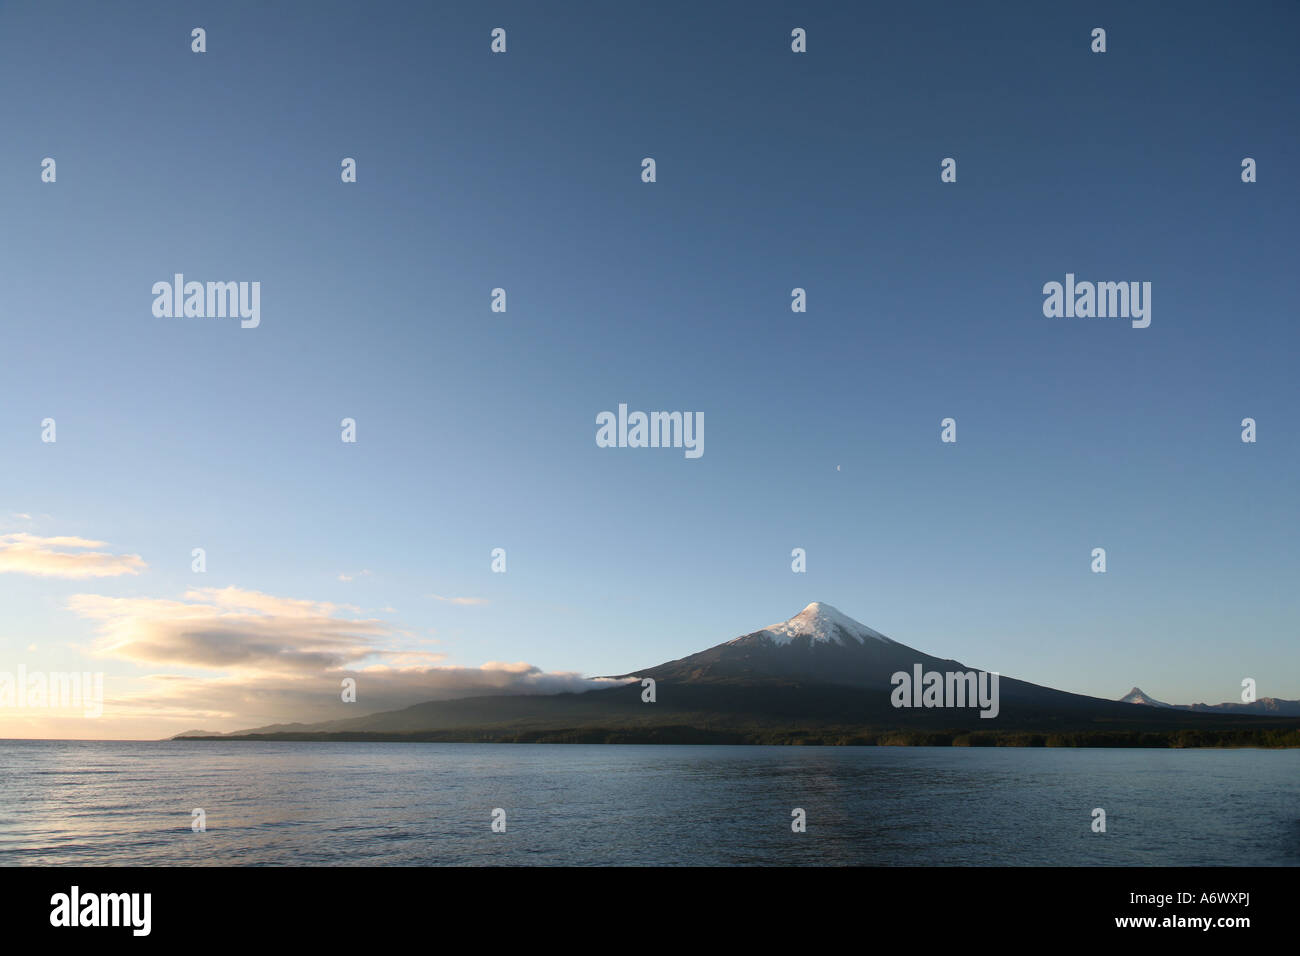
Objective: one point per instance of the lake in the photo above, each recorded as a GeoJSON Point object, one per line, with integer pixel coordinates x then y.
{"type": "Point", "coordinates": [102, 803]}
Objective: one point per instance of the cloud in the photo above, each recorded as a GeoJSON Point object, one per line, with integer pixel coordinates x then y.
{"type": "Point", "coordinates": [263, 659]}
{"type": "Point", "coordinates": [63, 557]}
{"type": "Point", "coordinates": [344, 576]}
{"type": "Point", "coordinates": [459, 600]}
{"type": "Point", "coordinates": [230, 629]}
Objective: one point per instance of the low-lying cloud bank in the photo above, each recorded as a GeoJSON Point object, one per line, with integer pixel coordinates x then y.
{"type": "Point", "coordinates": [248, 658]}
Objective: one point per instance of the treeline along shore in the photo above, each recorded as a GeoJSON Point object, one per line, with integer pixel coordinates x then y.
{"type": "Point", "coordinates": [1276, 737]}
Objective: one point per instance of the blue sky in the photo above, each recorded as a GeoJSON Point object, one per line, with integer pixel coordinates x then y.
{"type": "Point", "coordinates": [476, 430]}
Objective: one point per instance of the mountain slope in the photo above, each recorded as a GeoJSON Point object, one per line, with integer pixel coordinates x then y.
{"type": "Point", "coordinates": [821, 645]}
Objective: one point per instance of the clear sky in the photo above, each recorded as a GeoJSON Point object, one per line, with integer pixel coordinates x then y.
{"type": "Point", "coordinates": [476, 430]}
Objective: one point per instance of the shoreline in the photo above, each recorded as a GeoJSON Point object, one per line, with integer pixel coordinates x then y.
{"type": "Point", "coordinates": [1116, 740]}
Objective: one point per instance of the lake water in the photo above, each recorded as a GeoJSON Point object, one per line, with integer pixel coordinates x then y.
{"type": "Point", "coordinates": [432, 804]}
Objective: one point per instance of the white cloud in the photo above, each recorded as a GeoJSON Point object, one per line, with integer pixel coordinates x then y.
{"type": "Point", "coordinates": [63, 557]}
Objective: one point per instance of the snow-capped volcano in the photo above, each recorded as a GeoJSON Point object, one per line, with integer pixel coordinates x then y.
{"type": "Point", "coordinates": [819, 643]}
{"type": "Point", "coordinates": [820, 674]}
{"type": "Point", "coordinates": [819, 622]}
{"type": "Point", "coordinates": [1138, 696]}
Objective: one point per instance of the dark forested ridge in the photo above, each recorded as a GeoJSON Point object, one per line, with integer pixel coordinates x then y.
{"type": "Point", "coordinates": [808, 714]}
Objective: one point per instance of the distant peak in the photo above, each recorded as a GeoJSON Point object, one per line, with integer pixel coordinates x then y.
{"type": "Point", "coordinates": [1138, 696]}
